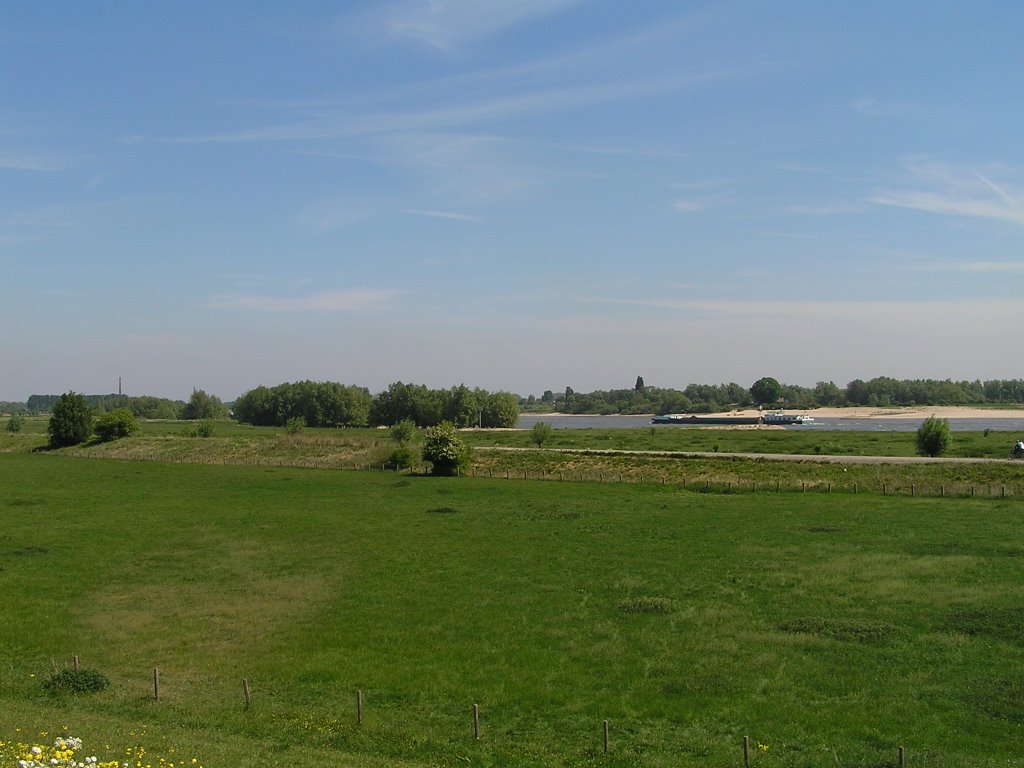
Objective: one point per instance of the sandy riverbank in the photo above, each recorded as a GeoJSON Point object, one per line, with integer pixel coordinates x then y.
{"type": "Point", "coordinates": [865, 412]}
{"type": "Point", "coordinates": [915, 412]}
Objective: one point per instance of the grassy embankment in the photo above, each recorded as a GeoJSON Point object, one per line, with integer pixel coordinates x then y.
{"type": "Point", "coordinates": [828, 628]}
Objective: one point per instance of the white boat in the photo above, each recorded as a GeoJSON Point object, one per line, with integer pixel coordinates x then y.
{"type": "Point", "coordinates": [785, 419]}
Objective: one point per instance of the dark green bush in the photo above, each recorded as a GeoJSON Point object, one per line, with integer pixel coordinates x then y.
{"type": "Point", "coordinates": [933, 437]}
{"type": "Point", "coordinates": [402, 457]}
{"type": "Point", "coordinates": [115, 425]}
{"type": "Point", "coordinates": [71, 422]}
{"type": "Point", "coordinates": [76, 681]}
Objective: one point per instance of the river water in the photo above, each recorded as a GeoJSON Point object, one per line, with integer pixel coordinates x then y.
{"type": "Point", "coordinates": [562, 421]}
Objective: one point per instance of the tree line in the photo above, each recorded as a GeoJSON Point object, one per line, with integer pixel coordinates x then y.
{"type": "Point", "coordinates": [881, 391]}
{"type": "Point", "coordinates": [329, 404]}
{"type": "Point", "coordinates": [199, 406]}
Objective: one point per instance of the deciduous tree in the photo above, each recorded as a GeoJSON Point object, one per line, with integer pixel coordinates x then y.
{"type": "Point", "coordinates": [71, 422]}
{"type": "Point", "coordinates": [766, 390]}
{"type": "Point", "coordinates": [444, 450]}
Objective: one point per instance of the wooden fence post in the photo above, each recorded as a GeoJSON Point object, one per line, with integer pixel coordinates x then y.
{"type": "Point", "coordinates": [246, 692]}
{"type": "Point", "coordinates": [476, 721]}
{"type": "Point", "coordinates": [902, 757]}
{"type": "Point", "coordinates": [606, 743]}
{"type": "Point", "coordinates": [156, 683]}
{"type": "Point", "coordinates": [359, 707]}
{"type": "Point", "coordinates": [74, 662]}
{"type": "Point", "coordinates": [746, 752]}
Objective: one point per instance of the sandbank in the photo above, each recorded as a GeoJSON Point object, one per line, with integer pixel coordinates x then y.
{"type": "Point", "coordinates": [859, 412]}
{"type": "Point", "coordinates": [907, 412]}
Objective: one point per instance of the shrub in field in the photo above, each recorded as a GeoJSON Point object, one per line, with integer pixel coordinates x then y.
{"type": "Point", "coordinates": [115, 425]}
{"type": "Point", "coordinates": [71, 421]}
{"type": "Point", "coordinates": [402, 457]}
{"type": "Point", "coordinates": [540, 433]}
{"type": "Point", "coordinates": [444, 450]}
{"type": "Point", "coordinates": [933, 437]}
{"type": "Point", "coordinates": [402, 434]}
{"type": "Point", "coordinates": [14, 423]}
{"type": "Point", "coordinates": [76, 681]}
{"type": "Point", "coordinates": [204, 428]}
{"type": "Point", "coordinates": [295, 424]}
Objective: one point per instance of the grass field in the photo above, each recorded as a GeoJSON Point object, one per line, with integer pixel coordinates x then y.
{"type": "Point", "coordinates": [597, 455]}
{"type": "Point", "coordinates": [368, 444]}
{"type": "Point", "coordinates": [829, 628]}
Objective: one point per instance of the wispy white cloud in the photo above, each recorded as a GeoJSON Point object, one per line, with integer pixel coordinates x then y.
{"type": "Point", "coordinates": [351, 300]}
{"type": "Point", "coordinates": [811, 309]}
{"type": "Point", "coordinates": [461, 168]}
{"type": "Point", "coordinates": [28, 163]}
{"type": "Point", "coordinates": [445, 24]}
{"type": "Point", "coordinates": [334, 213]}
{"type": "Point", "coordinates": [944, 189]}
{"type": "Point", "coordinates": [341, 123]}
{"type": "Point", "coordinates": [824, 209]}
{"type": "Point", "coordinates": [441, 215]}
{"type": "Point", "coordinates": [704, 203]}
{"type": "Point", "coordinates": [977, 267]}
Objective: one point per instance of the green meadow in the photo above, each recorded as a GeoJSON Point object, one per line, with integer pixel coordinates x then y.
{"type": "Point", "coordinates": [830, 628]}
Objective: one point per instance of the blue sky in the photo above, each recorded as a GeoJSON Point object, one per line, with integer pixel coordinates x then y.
{"type": "Point", "coordinates": [520, 196]}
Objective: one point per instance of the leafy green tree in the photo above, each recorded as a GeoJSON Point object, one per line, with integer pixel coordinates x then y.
{"type": "Point", "coordinates": [827, 393]}
{"type": "Point", "coordinates": [203, 406]}
{"type": "Point", "coordinates": [115, 425]}
{"type": "Point", "coordinates": [500, 410]}
{"type": "Point", "coordinates": [148, 407]}
{"type": "Point", "coordinates": [14, 423]}
{"type": "Point", "coordinates": [766, 390]}
{"type": "Point", "coordinates": [933, 437]}
{"type": "Point", "coordinates": [70, 422]}
{"type": "Point", "coordinates": [639, 386]}
{"type": "Point", "coordinates": [540, 433]}
{"type": "Point", "coordinates": [444, 450]}
{"type": "Point", "coordinates": [462, 407]}
{"type": "Point", "coordinates": [408, 401]}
